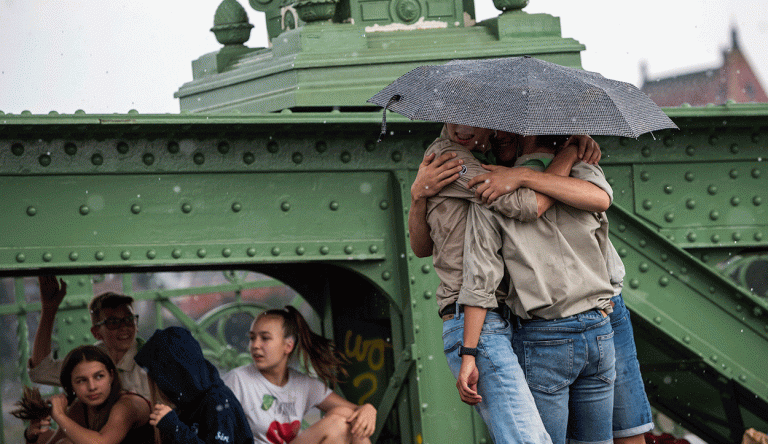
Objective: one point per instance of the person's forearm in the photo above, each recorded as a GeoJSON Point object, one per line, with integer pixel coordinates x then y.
{"type": "Point", "coordinates": [41, 347]}
{"type": "Point", "coordinates": [418, 228]}
{"type": "Point", "coordinates": [568, 190]}
{"type": "Point", "coordinates": [474, 318]}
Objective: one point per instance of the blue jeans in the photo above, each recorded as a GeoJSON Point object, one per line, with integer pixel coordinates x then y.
{"type": "Point", "coordinates": [631, 410]}
{"type": "Point", "coordinates": [507, 408]}
{"type": "Point", "coordinates": [569, 366]}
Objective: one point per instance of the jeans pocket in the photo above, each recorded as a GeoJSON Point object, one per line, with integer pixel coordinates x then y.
{"type": "Point", "coordinates": [453, 334]}
{"type": "Point", "coordinates": [548, 365]}
{"type": "Point", "coordinates": [607, 366]}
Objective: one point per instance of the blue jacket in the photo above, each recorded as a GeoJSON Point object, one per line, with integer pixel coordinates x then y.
{"type": "Point", "coordinates": [206, 409]}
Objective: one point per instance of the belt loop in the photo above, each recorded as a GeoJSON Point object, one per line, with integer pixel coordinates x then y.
{"type": "Point", "coordinates": [459, 313]}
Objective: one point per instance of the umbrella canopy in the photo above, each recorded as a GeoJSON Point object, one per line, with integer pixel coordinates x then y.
{"type": "Point", "coordinates": [523, 95]}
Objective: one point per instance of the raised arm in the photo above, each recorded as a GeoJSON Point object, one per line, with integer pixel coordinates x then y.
{"type": "Point", "coordinates": [124, 414]}
{"type": "Point", "coordinates": [52, 292]}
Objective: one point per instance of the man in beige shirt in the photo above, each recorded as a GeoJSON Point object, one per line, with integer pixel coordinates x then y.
{"type": "Point", "coordinates": [114, 325]}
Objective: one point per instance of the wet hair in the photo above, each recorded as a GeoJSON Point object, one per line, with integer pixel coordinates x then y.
{"type": "Point", "coordinates": [31, 406]}
{"type": "Point", "coordinates": [321, 352]}
{"type": "Point", "coordinates": [107, 300]}
{"type": "Point", "coordinates": [88, 353]}
{"type": "Point", "coordinates": [554, 142]}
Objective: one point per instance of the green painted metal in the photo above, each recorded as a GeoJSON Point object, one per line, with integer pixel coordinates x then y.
{"type": "Point", "coordinates": [312, 201]}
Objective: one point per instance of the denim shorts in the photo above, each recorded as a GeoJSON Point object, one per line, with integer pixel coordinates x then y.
{"type": "Point", "coordinates": [507, 408]}
{"type": "Point", "coordinates": [631, 409]}
{"type": "Point", "coordinates": [569, 364]}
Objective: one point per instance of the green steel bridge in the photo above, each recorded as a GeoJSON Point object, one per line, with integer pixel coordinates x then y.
{"type": "Point", "coordinates": [271, 188]}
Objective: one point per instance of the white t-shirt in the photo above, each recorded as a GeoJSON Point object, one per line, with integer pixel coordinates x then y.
{"type": "Point", "coordinates": [274, 413]}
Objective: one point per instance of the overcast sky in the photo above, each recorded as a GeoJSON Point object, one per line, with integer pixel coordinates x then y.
{"type": "Point", "coordinates": [104, 56]}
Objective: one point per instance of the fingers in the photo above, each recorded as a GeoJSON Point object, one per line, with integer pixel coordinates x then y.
{"type": "Point", "coordinates": [428, 159]}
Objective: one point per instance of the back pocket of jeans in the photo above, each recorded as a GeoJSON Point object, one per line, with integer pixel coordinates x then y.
{"type": "Point", "coordinates": [548, 364]}
{"type": "Point", "coordinates": [606, 368]}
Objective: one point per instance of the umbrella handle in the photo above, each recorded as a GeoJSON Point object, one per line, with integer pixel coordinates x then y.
{"type": "Point", "coordinates": [394, 99]}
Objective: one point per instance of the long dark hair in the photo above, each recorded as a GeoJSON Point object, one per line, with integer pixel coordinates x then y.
{"type": "Point", "coordinates": [321, 352]}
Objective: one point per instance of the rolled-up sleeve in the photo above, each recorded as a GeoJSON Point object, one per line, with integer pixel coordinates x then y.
{"type": "Point", "coordinates": [483, 266]}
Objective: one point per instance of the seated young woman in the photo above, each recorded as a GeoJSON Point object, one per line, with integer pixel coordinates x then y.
{"type": "Point", "coordinates": [94, 407]}
{"type": "Point", "coordinates": [276, 397]}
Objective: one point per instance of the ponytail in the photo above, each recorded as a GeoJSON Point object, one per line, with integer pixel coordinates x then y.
{"type": "Point", "coordinates": [313, 348]}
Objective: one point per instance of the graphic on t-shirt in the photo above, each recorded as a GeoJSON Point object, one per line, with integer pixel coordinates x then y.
{"type": "Point", "coordinates": [283, 433]}
{"type": "Point", "coordinates": [286, 408]}
{"type": "Point", "coordinates": [266, 402]}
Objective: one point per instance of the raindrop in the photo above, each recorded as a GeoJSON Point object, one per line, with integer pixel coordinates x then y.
{"type": "Point", "coordinates": [177, 189]}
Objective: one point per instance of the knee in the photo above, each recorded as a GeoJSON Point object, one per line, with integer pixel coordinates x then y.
{"type": "Point", "coordinates": [336, 427]}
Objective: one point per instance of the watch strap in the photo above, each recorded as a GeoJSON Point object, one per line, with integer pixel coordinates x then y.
{"type": "Point", "coordinates": [472, 351]}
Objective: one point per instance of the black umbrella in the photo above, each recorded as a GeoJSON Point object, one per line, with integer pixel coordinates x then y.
{"type": "Point", "coordinates": [523, 95]}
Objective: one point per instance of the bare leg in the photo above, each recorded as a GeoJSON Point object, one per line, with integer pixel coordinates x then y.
{"type": "Point", "coordinates": [637, 439]}
{"type": "Point", "coordinates": [331, 429]}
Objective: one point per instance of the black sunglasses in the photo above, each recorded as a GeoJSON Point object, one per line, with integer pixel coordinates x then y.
{"type": "Point", "coordinates": [115, 323]}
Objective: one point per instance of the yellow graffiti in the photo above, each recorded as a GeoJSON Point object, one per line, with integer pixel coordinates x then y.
{"type": "Point", "coordinates": [370, 349]}
{"type": "Point", "coordinates": [374, 385]}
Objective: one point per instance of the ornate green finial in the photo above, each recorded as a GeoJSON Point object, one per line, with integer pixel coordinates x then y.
{"type": "Point", "coordinates": [230, 24]}
{"type": "Point", "coordinates": [510, 5]}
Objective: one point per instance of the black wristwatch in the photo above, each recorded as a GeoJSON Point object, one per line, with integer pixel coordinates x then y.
{"type": "Point", "coordinates": [472, 351]}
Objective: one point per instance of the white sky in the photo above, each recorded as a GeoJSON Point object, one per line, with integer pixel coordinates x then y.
{"type": "Point", "coordinates": [114, 56]}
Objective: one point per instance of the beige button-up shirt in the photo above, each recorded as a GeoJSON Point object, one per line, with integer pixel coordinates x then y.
{"type": "Point", "coordinates": [132, 376]}
{"type": "Point", "coordinates": [447, 217]}
{"type": "Point", "coordinates": [557, 264]}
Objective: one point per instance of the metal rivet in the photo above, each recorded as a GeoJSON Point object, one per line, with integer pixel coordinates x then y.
{"type": "Point", "coordinates": [734, 173]}
{"type": "Point", "coordinates": [345, 157]}
{"type": "Point", "coordinates": [664, 257]}
{"type": "Point", "coordinates": [397, 156]}
{"type": "Point", "coordinates": [705, 257]}
{"type": "Point", "coordinates": [689, 176]}
{"type": "Point", "coordinates": [273, 147]}
{"type": "Point", "coordinates": [734, 148]}
{"type": "Point", "coordinates": [201, 253]}
{"type": "Point", "coordinates": [657, 319]}
{"type": "Point", "coordinates": [663, 281]}
{"type": "Point", "coordinates": [713, 358]}
{"type": "Point", "coordinates": [634, 283]}
{"type": "Point", "coordinates": [373, 249]}
{"type": "Point", "coordinates": [97, 159]}
{"type": "Point", "coordinates": [742, 378]}
{"type": "Point", "coordinates": [324, 250]}
{"type": "Point", "coordinates": [300, 250]}
{"type": "Point", "coordinates": [99, 255]}
{"type": "Point", "coordinates": [427, 294]}
{"type": "Point", "coordinates": [73, 256]}
{"type": "Point", "coordinates": [44, 160]}
{"type": "Point", "coordinates": [47, 257]}
{"type": "Point", "coordinates": [148, 159]}
{"type": "Point", "coordinates": [223, 147]}
{"type": "Point", "coordinates": [198, 158]}
{"type": "Point", "coordinates": [687, 339]}
{"type": "Point", "coordinates": [285, 206]}
{"type": "Point", "coordinates": [386, 275]}
{"type": "Point", "coordinates": [757, 312]}
{"type": "Point", "coordinates": [173, 147]}
{"type": "Point", "coordinates": [237, 206]}
{"type": "Point", "coordinates": [669, 217]}
{"type": "Point", "coordinates": [690, 150]}
{"type": "Point", "coordinates": [714, 215]}
{"type": "Point", "coordinates": [348, 249]}
{"type": "Point", "coordinates": [250, 251]}
{"type": "Point", "coordinates": [668, 189]}
{"type": "Point", "coordinates": [739, 308]}
{"type": "Point", "coordinates": [623, 252]}
{"type": "Point", "coordinates": [644, 176]}
{"type": "Point", "coordinates": [321, 147]}
{"type": "Point", "coordinates": [370, 145]}
{"type": "Point", "coordinates": [736, 236]}
{"type": "Point", "coordinates": [691, 237]}
{"type": "Point", "coordinates": [758, 236]}
{"type": "Point", "coordinates": [683, 270]}
{"type": "Point", "coordinates": [70, 148]}
{"type": "Point", "coordinates": [426, 268]}
{"type": "Point", "coordinates": [275, 251]}
{"type": "Point", "coordinates": [642, 243]}
{"type": "Point", "coordinates": [17, 149]}
{"type": "Point", "coordinates": [333, 206]}
{"type": "Point", "coordinates": [176, 253]}
{"type": "Point", "coordinates": [712, 190]}
{"type": "Point", "coordinates": [226, 252]}
{"type": "Point", "coordinates": [135, 208]}
{"type": "Point", "coordinates": [84, 209]}
{"type": "Point", "coordinates": [669, 141]}
{"type": "Point", "coordinates": [383, 204]}
{"type": "Point", "coordinates": [757, 200]}
{"type": "Point", "coordinates": [713, 140]}
{"type": "Point", "coordinates": [690, 204]}
{"type": "Point", "coordinates": [151, 254]}
{"type": "Point", "coordinates": [644, 267]}
{"type": "Point", "coordinates": [297, 158]}
{"type": "Point", "coordinates": [756, 173]}
{"type": "Point", "coordinates": [125, 254]}
{"type": "Point", "coordinates": [186, 207]}
{"type": "Point", "coordinates": [715, 238]}
{"type": "Point", "coordinates": [645, 151]}
{"type": "Point", "coordinates": [248, 158]}
{"type": "Point", "coordinates": [735, 201]}
{"type": "Point", "coordinates": [647, 204]}
{"type": "Point", "coordinates": [122, 147]}
{"type": "Point", "coordinates": [31, 211]}
{"type": "Point", "coordinates": [20, 257]}
{"type": "Point", "coordinates": [622, 227]}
